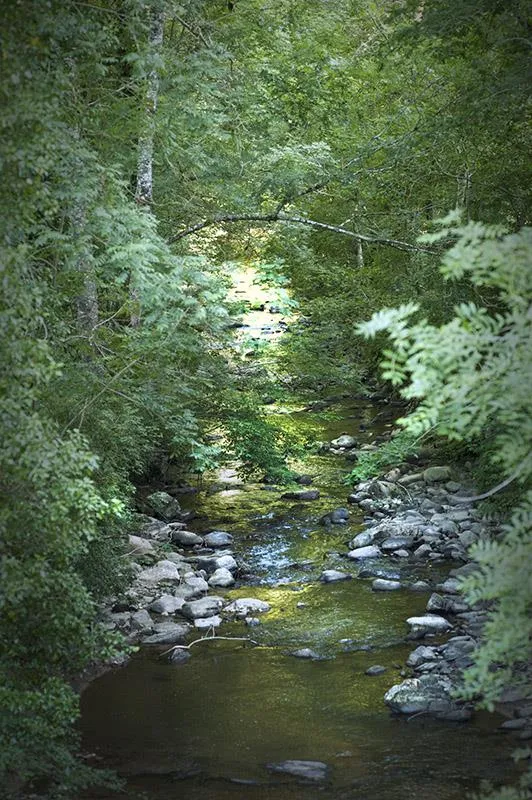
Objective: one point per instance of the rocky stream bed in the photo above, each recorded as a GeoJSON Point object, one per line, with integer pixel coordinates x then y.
{"type": "Point", "coordinates": [342, 636]}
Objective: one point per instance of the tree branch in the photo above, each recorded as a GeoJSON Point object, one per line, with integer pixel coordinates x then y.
{"type": "Point", "coordinates": [279, 217]}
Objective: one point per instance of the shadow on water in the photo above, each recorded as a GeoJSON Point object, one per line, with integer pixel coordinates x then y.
{"type": "Point", "coordinates": [208, 728]}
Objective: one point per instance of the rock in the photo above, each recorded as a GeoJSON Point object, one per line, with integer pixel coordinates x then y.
{"type": "Point", "coordinates": [164, 505]}
{"type": "Point", "coordinates": [337, 517]}
{"type": "Point", "coordinates": [186, 538]}
{"type": "Point", "coordinates": [205, 607]}
{"type": "Point", "coordinates": [141, 621]}
{"type": "Point", "coordinates": [155, 529]}
{"type": "Point", "coordinates": [168, 633]}
{"type": "Point", "coordinates": [408, 480]}
{"type": "Point", "coordinates": [217, 539]}
{"type": "Point", "coordinates": [446, 605]}
{"type": "Point", "coordinates": [383, 585]}
{"type": "Point", "coordinates": [162, 571]}
{"type": "Point", "coordinates": [305, 652]}
{"type": "Point", "coordinates": [252, 622]}
{"type": "Point", "coordinates": [247, 605]}
{"type": "Point", "coordinates": [203, 623]}
{"type": "Point", "coordinates": [304, 494]}
{"type": "Point", "coordinates": [304, 480]}
{"type": "Point", "coordinates": [179, 656]}
{"type": "Point", "coordinates": [419, 586]}
{"type": "Point", "coordinates": [222, 577]}
{"type": "Point", "coordinates": [376, 572]}
{"type": "Point", "coordinates": [167, 604]}
{"type": "Point", "coordinates": [423, 551]}
{"type": "Point", "coordinates": [363, 539]}
{"type": "Point", "coordinates": [420, 655]}
{"type": "Point", "coordinates": [140, 546]}
{"type": "Point", "coordinates": [360, 553]}
{"type": "Point", "coordinates": [177, 558]}
{"type": "Point", "coordinates": [309, 770]}
{"type": "Point", "coordinates": [449, 586]}
{"type": "Point", "coordinates": [514, 724]}
{"type": "Point", "coordinates": [376, 669]}
{"type": "Point", "coordinates": [401, 553]}
{"type": "Point", "coordinates": [429, 623]}
{"type": "Point", "coordinates": [346, 441]}
{"type": "Point", "coordinates": [226, 562]}
{"type": "Point", "coordinates": [436, 474]}
{"type": "Point", "coordinates": [197, 583]}
{"type": "Point", "coordinates": [427, 693]}
{"type": "Point", "coordinates": [332, 575]}
{"type": "Point", "coordinates": [396, 543]}
{"type": "Point", "coordinates": [453, 486]}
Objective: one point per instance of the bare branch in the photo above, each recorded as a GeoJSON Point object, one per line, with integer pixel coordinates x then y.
{"type": "Point", "coordinates": [209, 639]}
{"type": "Point", "coordinates": [495, 489]}
{"type": "Point", "coordinates": [279, 217]}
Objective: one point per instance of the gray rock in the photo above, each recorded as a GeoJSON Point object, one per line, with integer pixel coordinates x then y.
{"type": "Point", "coordinates": [186, 538]}
{"type": "Point", "coordinates": [423, 551]}
{"type": "Point", "coordinates": [309, 770]}
{"type": "Point", "coordinates": [408, 480]}
{"type": "Point", "coordinates": [247, 605]}
{"type": "Point", "coordinates": [222, 577]}
{"type": "Point", "coordinates": [376, 669]}
{"type": "Point", "coordinates": [197, 583]}
{"type": "Point", "coordinates": [167, 604]}
{"type": "Point", "coordinates": [396, 543]}
{"type": "Point", "coordinates": [453, 486]}
{"type": "Point", "coordinates": [383, 585]}
{"type": "Point", "coordinates": [436, 474]}
{"type": "Point", "coordinates": [155, 529]}
{"type": "Point", "coordinates": [449, 586]}
{"type": "Point", "coordinates": [304, 494]}
{"type": "Point", "coordinates": [401, 553]}
{"type": "Point", "coordinates": [420, 586]}
{"type": "Point", "coordinates": [204, 623]}
{"type": "Point", "coordinates": [141, 621]}
{"type": "Point", "coordinates": [305, 652]}
{"type": "Point", "coordinates": [332, 575]}
{"type": "Point", "coordinates": [429, 623]}
{"type": "Point", "coordinates": [217, 539]}
{"type": "Point", "coordinates": [428, 693]}
{"type": "Point", "coordinates": [179, 656]}
{"type": "Point", "coordinates": [360, 553]}
{"type": "Point", "coordinates": [252, 622]}
{"type": "Point", "coordinates": [421, 655]}
{"type": "Point", "coordinates": [346, 441]}
{"type": "Point", "coordinates": [338, 516]}
{"type": "Point", "coordinates": [363, 539]}
{"type": "Point", "coordinates": [514, 724]}
{"type": "Point", "coordinates": [162, 571]}
{"type": "Point", "coordinates": [205, 607]}
{"type": "Point", "coordinates": [168, 633]}
{"type": "Point", "coordinates": [226, 562]}
{"type": "Point", "coordinates": [140, 546]}
{"type": "Point", "coordinates": [446, 604]}
{"type": "Point", "coordinates": [164, 505]}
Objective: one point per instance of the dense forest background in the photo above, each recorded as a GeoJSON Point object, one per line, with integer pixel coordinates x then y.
{"type": "Point", "coordinates": [150, 147]}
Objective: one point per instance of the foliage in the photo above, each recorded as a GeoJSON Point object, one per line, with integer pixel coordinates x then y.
{"type": "Point", "coordinates": [467, 375]}
{"type": "Point", "coordinates": [389, 454]}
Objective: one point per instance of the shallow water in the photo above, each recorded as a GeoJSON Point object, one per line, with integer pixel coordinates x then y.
{"type": "Point", "coordinates": [207, 729]}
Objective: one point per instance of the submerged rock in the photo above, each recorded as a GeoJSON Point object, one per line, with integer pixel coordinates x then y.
{"type": "Point", "coordinates": [309, 770]}
{"type": "Point", "coordinates": [376, 669]}
{"type": "Point", "coordinates": [338, 516]}
{"type": "Point", "coordinates": [304, 494]}
{"type": "Point", "coordinates": [333, 575]}
{"type": "Point", "coordinates": [384, 585]}
{"type": "Point", "coordinates": [305, 652]}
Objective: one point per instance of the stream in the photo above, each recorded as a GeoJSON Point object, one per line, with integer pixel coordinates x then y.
{"type": "Point", "coordinates": [208, 728]}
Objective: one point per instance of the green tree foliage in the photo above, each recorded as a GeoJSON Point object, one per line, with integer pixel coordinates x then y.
{"type": "Point", "coordinates": [469, 376]}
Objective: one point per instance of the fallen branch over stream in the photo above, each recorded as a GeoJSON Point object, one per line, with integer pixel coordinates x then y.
{"type": "Point", "coordinates": [209, 639]}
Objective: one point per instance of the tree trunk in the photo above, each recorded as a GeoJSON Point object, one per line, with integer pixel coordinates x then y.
{"type": "Point", "coordinates": [144, 188]}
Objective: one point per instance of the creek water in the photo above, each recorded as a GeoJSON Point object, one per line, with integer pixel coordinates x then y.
{"type": "Point", "coordinates": [208, 728]}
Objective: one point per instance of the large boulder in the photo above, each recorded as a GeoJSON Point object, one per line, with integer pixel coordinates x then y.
{"type": "Point", "coordinates": [168, 633]}
{"type": "Point", "coordinates": [345, 441]}
{"type": "Point", "coordinates": [164, 505]}
{"type": "Point", "coordinates": [428, 623]}
{"type": "Point", "coordinates": [428, 694]}
{"type": "Point", "coordinates": [166, 604]}
{"type": "Point", "coordinates": [247, 605]}
{"type": "Point", "coordinates": [394, 543]}
{"type": "Point", "coordinates": [303, 494]}
{"type": "Point", "coordinates": [217, 539]}
{"type": "Point", "coordinates": [360, 553]}
{"type": "Point", "coordinates": [205, 607]}
{"type": "Point", "coordinates": [186, 538]}
{"type": "Point", "coordinates": [163, 571]}
{"type": "Point", "coordinates": [221, 577]}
